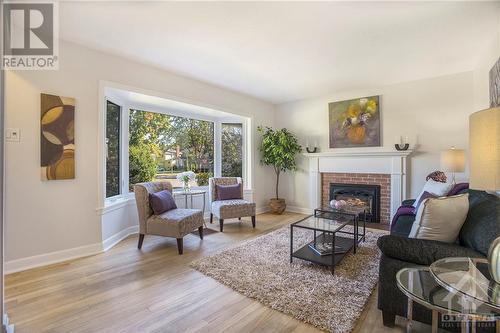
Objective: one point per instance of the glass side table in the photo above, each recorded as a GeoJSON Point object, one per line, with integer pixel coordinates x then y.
{"type": "Point", "coordinates": [469, 277]}
{"type": "Point", "coordinates": [191, 194]}
{"type": "Point", "coordinates": [420, 286]}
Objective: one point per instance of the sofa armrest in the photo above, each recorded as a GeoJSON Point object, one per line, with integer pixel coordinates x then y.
{"type": "Point", "coordinates": [408, 202]}
{"type": "Point", "coordinates": [421, 251]}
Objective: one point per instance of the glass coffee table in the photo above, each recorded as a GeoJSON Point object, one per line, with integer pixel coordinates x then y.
{"type": "Point", "coordinates": [421, 286]}
{"type": "Point", "coordinates": [328, 234]}
{"type": "Point", "coordinates": [352, 212]}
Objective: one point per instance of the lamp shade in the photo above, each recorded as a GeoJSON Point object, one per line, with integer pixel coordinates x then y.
{"type": "Point", "coordinates": [453, 160]}
{"type": "Point", "coordinates": [484, 139]}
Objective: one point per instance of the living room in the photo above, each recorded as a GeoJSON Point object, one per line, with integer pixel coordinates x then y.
{"type": "Point", "coordinates": [251, 166]}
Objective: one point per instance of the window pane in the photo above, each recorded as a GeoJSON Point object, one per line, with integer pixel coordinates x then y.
{"type": "Point", "coordinates": [232, 150]}
{"type": "Point", "coordinates": [161, 146]}
{"type": "Point", "coordinates": [113, 116]}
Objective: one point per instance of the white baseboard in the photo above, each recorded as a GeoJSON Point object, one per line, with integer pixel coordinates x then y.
{"type": "Point", "coordinates": [45, 259]}
{"type": "Point", "coordinates": [118, 237]}
{"type": "Point", "coordinates": [300, 210]}
{"type": "Point", "coordinates": [22, 264]}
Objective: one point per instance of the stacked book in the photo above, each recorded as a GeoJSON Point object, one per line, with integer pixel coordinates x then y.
{"type": "Point", "coordinates": [324, 249]}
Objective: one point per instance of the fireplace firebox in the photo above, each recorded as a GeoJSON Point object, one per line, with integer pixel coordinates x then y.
{"type": "Point", "coordinates": [362, 195]}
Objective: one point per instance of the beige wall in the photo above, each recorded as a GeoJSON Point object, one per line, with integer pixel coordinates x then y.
{"type": "Point", "coordinates": [44, 217]}
{"type": "Point", "coordinates": [432, 113]}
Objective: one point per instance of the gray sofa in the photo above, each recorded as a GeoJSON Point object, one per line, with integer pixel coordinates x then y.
{"type": "Point", "coordinates": [481, 227]}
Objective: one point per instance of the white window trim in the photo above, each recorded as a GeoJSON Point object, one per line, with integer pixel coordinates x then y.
{"type": "Point", "coordinates": [109, 203]}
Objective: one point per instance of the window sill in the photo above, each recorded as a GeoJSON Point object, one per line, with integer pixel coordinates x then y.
{"type": "Point", "coordinates": [116, 202]}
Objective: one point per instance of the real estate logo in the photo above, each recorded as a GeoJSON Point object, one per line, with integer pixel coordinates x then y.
{"type": "Point", "coordinates": [30, 36]}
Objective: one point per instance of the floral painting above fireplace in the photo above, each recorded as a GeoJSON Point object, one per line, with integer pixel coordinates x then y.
{"type": "Point", "coordinates": [355, 123]}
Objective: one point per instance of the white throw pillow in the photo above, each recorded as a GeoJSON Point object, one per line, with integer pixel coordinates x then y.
{"type": "Point", "coordinates": [437, 188]}
{"type": "Point", "coordinates": [440, 219]}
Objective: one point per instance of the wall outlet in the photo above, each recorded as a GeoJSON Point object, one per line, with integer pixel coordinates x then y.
{"type": "Point", "coordinates": [12, 135]}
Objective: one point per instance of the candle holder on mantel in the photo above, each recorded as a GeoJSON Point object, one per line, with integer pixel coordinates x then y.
{"type": "Point", "coordinates": [402, 147]}
{"type": "Point", "coordinates": [311, 151]}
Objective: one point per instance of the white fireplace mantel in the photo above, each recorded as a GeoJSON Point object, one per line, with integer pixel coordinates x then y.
{"type": "Point", "coordinates": [376, 160]}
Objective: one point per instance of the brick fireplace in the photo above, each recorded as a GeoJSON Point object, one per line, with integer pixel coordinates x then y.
{"type": "Point", "coordinates": [382, 166]}
{"type": "Point", "coordinates": [382, 180]}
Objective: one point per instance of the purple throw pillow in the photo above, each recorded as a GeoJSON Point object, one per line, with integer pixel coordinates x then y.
{"type": "Point", "coordinates": [161, 202]}
{"type": "Point", "coordinates": [458, 188]}
{"type": "Point", "coordinates": [227, 192]}
{"type": "Point", "coordinates": [425, 195]}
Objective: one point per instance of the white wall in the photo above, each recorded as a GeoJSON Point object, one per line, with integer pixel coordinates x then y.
{"type": "Point", "coordinates": [433, 113]}
{"type": "Point", "coordinates": [44, 217]}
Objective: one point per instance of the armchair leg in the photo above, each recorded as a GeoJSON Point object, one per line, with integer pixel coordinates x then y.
{"type": "Point", "coordinates": [221, 224]}
{"type": "Point", "coordinates": [388, 318]}
{"type": "Point", "coordinates": [141, 239]}
{"type": "Point", "coordinates": [253, 221]}
{"type": "Point", "coordinates": [180, 243]}
{"type": "Point", "coordinates": [211, 218]}
{"type": "Point", "coordinates": [200, 231]}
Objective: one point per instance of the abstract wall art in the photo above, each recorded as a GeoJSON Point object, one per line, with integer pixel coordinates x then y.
{"type": "Point", "coordinates": [355, 123]}
{"type": "Point", "coordinates": [57, 141]}
{"type": "Point", "coordinates": [495, 85]}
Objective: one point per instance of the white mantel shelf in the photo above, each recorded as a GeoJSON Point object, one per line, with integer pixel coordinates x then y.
{"type": "Point", "coordinates": [360, 153]}
{"type": "Point", "coordinates": [366, 160]}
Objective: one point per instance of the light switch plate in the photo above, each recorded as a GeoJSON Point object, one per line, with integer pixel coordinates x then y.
{"type": "Point", "coordinates": [12, 135]}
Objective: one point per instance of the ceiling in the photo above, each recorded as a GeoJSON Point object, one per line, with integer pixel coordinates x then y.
{"type": "Point", "coordinates": [285, 51]}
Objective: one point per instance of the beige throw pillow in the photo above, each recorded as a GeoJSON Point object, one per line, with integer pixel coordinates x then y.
{"type": "Point", "coordinates": [440, 219]}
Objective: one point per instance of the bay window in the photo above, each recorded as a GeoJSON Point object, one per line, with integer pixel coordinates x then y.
{"type": "Point", "coordinates": [147, 143]}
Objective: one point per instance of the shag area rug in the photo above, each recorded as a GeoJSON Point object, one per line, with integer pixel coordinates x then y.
{"type": "Point", "coordinates": [261, 269]}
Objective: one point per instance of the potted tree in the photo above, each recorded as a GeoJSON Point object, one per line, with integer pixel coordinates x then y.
{"type": "Point", "coordinates": [278, 148]}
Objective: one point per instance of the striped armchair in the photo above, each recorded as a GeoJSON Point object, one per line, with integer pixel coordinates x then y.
{"type": "Point", "coordinates": [227, 209]}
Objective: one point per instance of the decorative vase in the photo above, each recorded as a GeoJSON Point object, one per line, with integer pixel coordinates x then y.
{"type": "Point", "coordinates": [338, 204]}
{"type": "Point", "coordinates": [277, 205]}
{"type": "Point", "coordinates": [186, 187]}
{"type": "Point", "coordinates": [494, 260]}
{"type": "Point", "coordinates": [356, 134]}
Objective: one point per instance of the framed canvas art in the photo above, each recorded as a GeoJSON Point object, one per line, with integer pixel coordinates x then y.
{"type": "Point", "coordinates": [57, 141]}
{"type": "Point", "coordinates": [355, 123]}
{"type": "Point", "coordinates": [495, 85]}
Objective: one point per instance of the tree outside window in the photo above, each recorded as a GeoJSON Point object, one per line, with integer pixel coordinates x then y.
{"type": "Point", "coordinates": [160, 146]}
{"type": "Point", "coordinates": [232, 150]}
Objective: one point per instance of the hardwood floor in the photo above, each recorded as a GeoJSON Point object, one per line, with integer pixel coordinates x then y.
{"type": "Point", "coordinates": [152, 290]}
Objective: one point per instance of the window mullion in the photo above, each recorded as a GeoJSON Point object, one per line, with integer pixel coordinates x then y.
{"type": "Point", "coordinates": [218, 149]}
{"type": "Point", "coordinates": [124, 150]}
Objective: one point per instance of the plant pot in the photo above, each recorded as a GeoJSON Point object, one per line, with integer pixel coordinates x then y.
{"type": "Point", "coordinates": [277, 205]}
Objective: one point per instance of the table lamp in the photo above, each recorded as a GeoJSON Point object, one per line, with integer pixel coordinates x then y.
{"type": "Point", "coordinates": [453, 160]}
{"type": "Point", "coordinates": [484, 141]}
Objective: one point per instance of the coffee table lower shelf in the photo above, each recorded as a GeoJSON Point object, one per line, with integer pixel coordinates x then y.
{"type": "Point", "coordinates": [306, 253]}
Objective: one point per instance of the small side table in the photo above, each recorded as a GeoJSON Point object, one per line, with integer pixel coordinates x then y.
{"type": "Point", "coordinates": [420, 286]}
{"type": "Point", "coordinates": [191, 194]}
